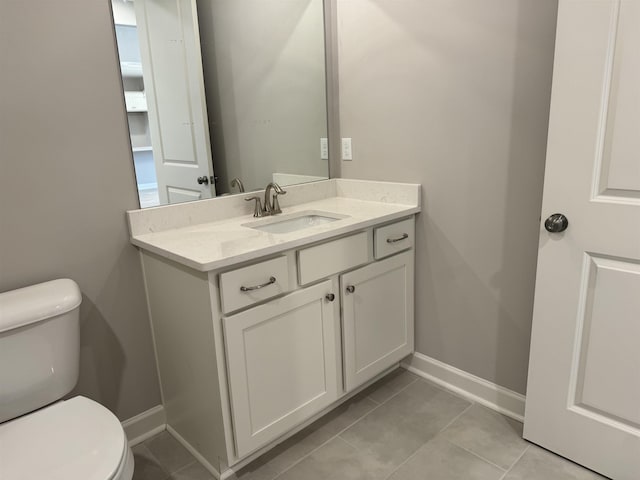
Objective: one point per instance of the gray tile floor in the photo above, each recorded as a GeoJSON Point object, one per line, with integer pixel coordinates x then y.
{"type": "Point", "coordinates": [401, 428]}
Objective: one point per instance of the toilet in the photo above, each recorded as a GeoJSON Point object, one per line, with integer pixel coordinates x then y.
{"type": "Point", "coordinates": [41, 436]}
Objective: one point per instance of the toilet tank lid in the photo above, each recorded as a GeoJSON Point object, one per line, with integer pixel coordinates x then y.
{"type": "Point", "coordinates": [38, 302]}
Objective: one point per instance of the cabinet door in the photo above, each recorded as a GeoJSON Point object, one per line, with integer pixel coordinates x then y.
{"type": "Point", "coordinates": [282, 363]}
{"type": "Point", "coordinates": [378, 317]}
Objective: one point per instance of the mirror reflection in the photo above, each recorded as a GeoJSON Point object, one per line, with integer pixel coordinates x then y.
{"type": "Point", "coordinates": [222, 96]}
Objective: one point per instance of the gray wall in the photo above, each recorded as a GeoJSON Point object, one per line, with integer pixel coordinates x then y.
{"type": "Point", "coordinates": [454, 94]}
{"type": "Point", "coordinates": [66, 179]}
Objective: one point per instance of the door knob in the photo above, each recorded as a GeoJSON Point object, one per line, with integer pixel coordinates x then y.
{"type": "Point", "coordinates": [556, 223]}
{"type": "Point", "coordinates": [204, 179]}
{"type": "Point", "coordinates": [351, 289]}
{"type": "Point", "coordinates": [330, 297]}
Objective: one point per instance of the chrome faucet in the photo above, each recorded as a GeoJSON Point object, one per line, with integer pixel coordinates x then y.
{"type": "Point", "coordinates": [271, 204]}
{"type": "Point", "coordinates": [236, 182]}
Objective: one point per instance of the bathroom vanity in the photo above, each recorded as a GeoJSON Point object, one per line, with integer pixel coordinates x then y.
{"type": "Point", "coordinates": [262, 325]}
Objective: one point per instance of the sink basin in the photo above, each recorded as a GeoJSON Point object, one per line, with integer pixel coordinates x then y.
{"type": "Point", "coordinates": [294, 222]}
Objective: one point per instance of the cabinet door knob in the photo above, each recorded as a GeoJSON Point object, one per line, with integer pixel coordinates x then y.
{"type": "Point", "coordinates": [330, 297]}
{"type": "Point", "coordinates": [351, 289]}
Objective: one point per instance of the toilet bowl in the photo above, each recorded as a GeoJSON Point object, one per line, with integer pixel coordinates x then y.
{"type": "Point", "coordinates": [76, 439]}
{"type": "Point", "coordinates": [41, 436]}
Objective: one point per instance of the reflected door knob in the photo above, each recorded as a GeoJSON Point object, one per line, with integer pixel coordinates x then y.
{"type": "Point", "coordinates": [556, 223]}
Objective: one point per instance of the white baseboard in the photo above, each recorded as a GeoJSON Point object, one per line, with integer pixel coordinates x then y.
{"type": "Point", "coordinates": [466, 385]}
{"type": "Point", "coordinates": [145, 425]}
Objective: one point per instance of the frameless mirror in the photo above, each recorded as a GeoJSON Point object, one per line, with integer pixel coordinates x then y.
{"type": "Point", "coordinates": [222, 96]}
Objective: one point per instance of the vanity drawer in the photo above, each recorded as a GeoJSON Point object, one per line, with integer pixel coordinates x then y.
{"type": "Point", "coordinates": [248, 285]}
{"type": "Point", "coordinates": [322, 261]}
{"type": "Point", "coordinates": [393, 238]}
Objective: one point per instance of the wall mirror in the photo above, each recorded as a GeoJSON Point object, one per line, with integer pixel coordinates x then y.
{"type": "Point", "coordinates": [223, 96]}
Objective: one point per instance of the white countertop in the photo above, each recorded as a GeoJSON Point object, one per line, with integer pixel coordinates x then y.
{"type": "Point", "coordinates": [216, 244]}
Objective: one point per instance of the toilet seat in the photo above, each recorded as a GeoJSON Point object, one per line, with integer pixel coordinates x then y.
{"type": "Point", "coordinates": [76, 439]}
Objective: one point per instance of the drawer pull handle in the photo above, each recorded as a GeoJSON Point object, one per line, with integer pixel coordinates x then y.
{"type": "Point", "coordinates": [258, 287]}
{"type": "Point", "coordinates": [399, 239]}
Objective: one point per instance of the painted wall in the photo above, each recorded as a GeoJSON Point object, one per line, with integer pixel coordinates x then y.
{"type": "Point", "coordinates": [66, 179]}
{"type": "Point", "coordinates": [454, 94]}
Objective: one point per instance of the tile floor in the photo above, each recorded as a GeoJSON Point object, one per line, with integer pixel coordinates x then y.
{"type": "Point", "coordinates": [401, 428]}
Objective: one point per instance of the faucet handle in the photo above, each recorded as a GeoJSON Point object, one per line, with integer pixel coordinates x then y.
{"type": "Point", "coordinates": [257, 209]}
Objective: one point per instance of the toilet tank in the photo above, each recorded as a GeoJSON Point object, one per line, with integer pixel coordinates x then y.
{"type": "Point", "coordinates": [39, 345]}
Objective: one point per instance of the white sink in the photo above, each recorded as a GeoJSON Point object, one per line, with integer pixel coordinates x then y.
{"type": "Point", "coordinates": [294, 221]}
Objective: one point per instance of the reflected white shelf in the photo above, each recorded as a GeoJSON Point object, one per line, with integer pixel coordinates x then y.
{"type": "Point", "coordinates": [135, 101]}
{"type": "Point", "coordinates": [131, 69]}
{"type": "Point", "coordinates": [146, 148]}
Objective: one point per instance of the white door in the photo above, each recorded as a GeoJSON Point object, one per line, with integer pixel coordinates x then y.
{"type": "Point", "coordinates": [377, 303]}
{"type": "Point", "coordinates": [583, 395]}
{"type": "Point", "coordinates": [282, 363]}
{"type": "Point", "coordinates": [174, 87]}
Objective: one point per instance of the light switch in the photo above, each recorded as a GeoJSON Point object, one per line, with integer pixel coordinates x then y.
{"type": "Point", "coordinates": [347, 153]}
{"type": "Point", "coordinates": [324, 149]}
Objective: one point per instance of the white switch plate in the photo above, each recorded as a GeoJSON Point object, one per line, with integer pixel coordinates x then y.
{"type": "Point", "coordinates": [324, 149]}
{"type": "Point", "coordinates": [347, 153]}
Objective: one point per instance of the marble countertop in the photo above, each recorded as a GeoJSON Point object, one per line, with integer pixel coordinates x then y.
{"type": "Point", "coordinates": [217, 244]}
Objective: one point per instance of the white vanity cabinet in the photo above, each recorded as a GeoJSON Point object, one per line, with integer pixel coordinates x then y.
{"type": "Point", "coordinates": [282, 362]}
{"type": "Point", "coordinates": [377, 309]}
{"type": "Point", "coordinates": [249, 353]}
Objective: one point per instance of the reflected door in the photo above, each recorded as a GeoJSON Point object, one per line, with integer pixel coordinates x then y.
{"type": "Point", "coordinates": [583, 395]}
{"type": "Point", "coordinates": [172, 71]}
